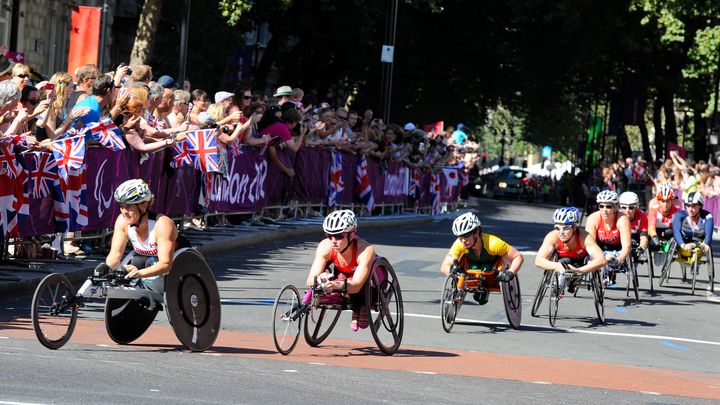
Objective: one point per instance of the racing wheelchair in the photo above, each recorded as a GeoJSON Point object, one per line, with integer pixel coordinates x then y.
{"type": "Point", "coordinates": [555, 284]}
{"type": "Point", "coordinates": [479, 283]}
{"type": "Point", "coordinates": [629, 268]}
{"type": "Point", "coordinates": [190, 299]}
{"type": "Point", "coordinates": [690, 263]}
{"type": "Point", "coordinates": [383, 303]}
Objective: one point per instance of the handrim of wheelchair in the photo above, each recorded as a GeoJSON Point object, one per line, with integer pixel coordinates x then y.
{"type": "Point", "coordinates": [190, 299]}
{"type": "Point", "coordinates": [383, 304]}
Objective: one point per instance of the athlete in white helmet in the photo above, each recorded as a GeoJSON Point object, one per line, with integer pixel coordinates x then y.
{"type": "Point", "coordinates": [481, 251]}
{"type": "Point", "coordinates": [351, 258]}
{"type": "Point", "coordinates": [153, 238]}
{"type": "Point", "coordinates": [611, 230]}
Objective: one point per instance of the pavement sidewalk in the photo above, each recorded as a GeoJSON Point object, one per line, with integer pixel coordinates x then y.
{"type": "Point", "coordinates": [20, 278]}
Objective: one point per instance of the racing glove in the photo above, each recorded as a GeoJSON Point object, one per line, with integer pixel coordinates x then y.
{"type": "Point", "coordinates": [505, 276]}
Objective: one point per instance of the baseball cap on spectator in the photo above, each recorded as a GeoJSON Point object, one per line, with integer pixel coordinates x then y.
{"type": "Point", "coordinates": [205, 118]}
{"type": "Point", "coordinates": [221, 96]}
{"type": "Point", "coordinates": [460, 127]}
{"type": "Point", "coordinates": [167, 82]}
{"type": "Point", "coordinates": [5, 65]}
{"type": "Point", "coordinates": [283, 91]}
{"type": "Point", "coordinates": [409, 126]}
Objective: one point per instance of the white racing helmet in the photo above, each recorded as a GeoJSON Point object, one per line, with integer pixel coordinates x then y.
{"type": "Point", "coordinates": [607, 196]}
{"type": "Point", "coordinates": [566, 216]}
{"type": "Point", "coordinates": [629, 198]}
{"type": "Point", "coordinates": [465, 223]}
{"type": "Point", "coordinates": [665, 192]}
{"type": "Point", "coordinates": [694, 198]}
{"type": "Point", "coordinates": [340, 221]}
{"type": "Point", "coordinates": [133, 191]}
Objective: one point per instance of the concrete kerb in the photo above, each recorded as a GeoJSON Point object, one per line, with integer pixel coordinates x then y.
{"type": "Point", "coordinates": [29, 280]}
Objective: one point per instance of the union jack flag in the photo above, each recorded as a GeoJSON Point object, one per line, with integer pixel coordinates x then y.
{"type": "Point", "coordinates": [8, 213]}
{"type": "Point", "coordinates": [236, 148]}
{"type": "Point", "coordinates": [107, 133]}
{"type": "Point", "coordinates": [69, 155]}
{"type": "Point", "coordinates": [154, 122]}
{"type": "Point", "coordinates": [414, 190]}
{"type": "Point", "coordinates": [435, 189]}
{"type": "Point", "coordinates": [199, 148]}
{"type": "Point", "coordinates": [363, 188]}
{"type": "Point", "coordinates": [44, 176]}
{"type": "Point", "coordinates": [8, 160]}
{"type": "Point", "coordinates": [336, 184]}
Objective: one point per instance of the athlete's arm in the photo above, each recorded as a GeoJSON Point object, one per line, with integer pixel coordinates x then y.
{"type": "Point", "coordinates": [517, 259]}
{"type": "Point", "coordinates": [709, 225]}
{"type": "Point", "coordinates": [677, 221]}
{"type": "Point", "coordinates": [597, 257]}
{"type": "Point", "coordinates": [362, 271]}
{"type": "Point", "coordinates": [119, 241]}
{"type": "Point", "coordinates": [322, 255]}
{"type": "Point", "coordinates": [623, 225]}
{"type": "Point", "coordinates": [591, 224]}
{"type": "Point", "coordinates": [542, 259]}
{"type": "Point", "coordinates": [448, 262]}
{"type": "Point", "coordinates": [652, 221]}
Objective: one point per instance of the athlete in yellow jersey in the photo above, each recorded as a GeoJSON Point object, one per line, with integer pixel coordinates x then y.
{"type": "Point", "coordinates": [476, 250]}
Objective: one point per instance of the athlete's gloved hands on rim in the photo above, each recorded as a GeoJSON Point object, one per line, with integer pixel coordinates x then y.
{"type": "Point", "coordinates": [505, 276]}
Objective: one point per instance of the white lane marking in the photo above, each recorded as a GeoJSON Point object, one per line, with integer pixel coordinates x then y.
{"type": "Point", "coordinates": [589, 332]}
{"type": "Point", "coordinates": [424, 372]}
{"type": "Point", "coordinates": [317, 364]}
{"type": "Point", "coordinates": [541, 382]}
{"type": "Point", "coordinates": [102, 345]}
{"type": "Point", "coordinates": [290, 371]}
{"type": "Point", "coordinates": [18, 403]}
{"type": "Point", "coordinates": [650, 392]}
{"type": "Point", "coordinates": [4, 337]}
{"type": "Point", "coordinates": [154, 390]}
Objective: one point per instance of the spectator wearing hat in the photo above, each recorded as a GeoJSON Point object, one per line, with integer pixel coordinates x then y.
{"type": "Point", "coordinates": [167, 82]}
{"type": "Point", "coordinates": [459, 137]}
{"type": "Point", "coordinates": [225, 98]}
{"type": "Point", "coordinates": [5, 68]}
{"type": "Point", "coordinates": [283, 94]}
{"type": "Point", "coordinates": [280, 135]}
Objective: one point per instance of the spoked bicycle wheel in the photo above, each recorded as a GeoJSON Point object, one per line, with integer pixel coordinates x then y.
{"type": "Point", "coordinates": [710, 264]}
{"type": "Point", "coordinates": [596, 285]}
{"type": "Point", "coordinates": [554, 299]}
{"type": "Point", "coordinates": [286, 320]}
{"type": "Point", "coordinates": [651, 270]}
{"type": "Point", "coordinates": [632, 280]}
{"type": "Point", "coordinates": [695, 268]}
{"type": "Point", "coordinates": [448, 303]}
{"type": "Point", "coordinates": [54, 311]}
{"type": "Point", "coordinates": [319, 322]}
{"type": "Point", "coordinates": [385, 307]}
{"type": "Point", "coordinates": [541, 291]}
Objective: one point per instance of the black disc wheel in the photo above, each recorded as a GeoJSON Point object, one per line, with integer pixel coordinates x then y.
{"type": "Point", "coordinates": [286, 320]}
{"type": "Point", "coordinates": [54, 312]}
{"type": "Point", "coordinates": [513, 301]}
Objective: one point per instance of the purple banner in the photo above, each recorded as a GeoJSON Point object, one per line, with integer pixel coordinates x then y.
{"type": "Point", "coordinates": [395, 187]}
{"type": "Point", "coordinates": [243, 190]}
{"type": "Point", "coordinates": [310, 186]}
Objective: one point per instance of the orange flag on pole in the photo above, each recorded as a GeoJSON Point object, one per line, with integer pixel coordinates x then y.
{"type": "Point", "coordinates": [84, 37]}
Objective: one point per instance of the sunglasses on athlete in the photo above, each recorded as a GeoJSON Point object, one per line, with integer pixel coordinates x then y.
{"type": "Point", "coordinates": [562, 228]}
{"type": "Point", "coordinates": [628, 207]}
{"type": "Point", "coordinates": [336, 235]}
{"type": "Point", "coordinates": [606, 206]}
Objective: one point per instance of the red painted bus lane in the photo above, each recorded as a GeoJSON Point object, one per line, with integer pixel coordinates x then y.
{"type": "Point", "coordinates": [364, 354]}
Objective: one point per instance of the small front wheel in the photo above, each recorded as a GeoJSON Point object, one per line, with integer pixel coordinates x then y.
{"type": "Point", "coordinates": [448, 304]}
{"type": "Point", "coordinates": [54, 311]}
{"type": "Point", "coordinates": [286, 319]}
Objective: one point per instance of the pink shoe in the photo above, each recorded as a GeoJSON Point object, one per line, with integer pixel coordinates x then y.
{"type": "Point", "coordinates": [359, 321]}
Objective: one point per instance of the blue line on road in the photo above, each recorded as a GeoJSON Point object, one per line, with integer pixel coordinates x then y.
{"type": "Point", "coordinates": [622, 310]}
{"type": "Point", "coordinates": [674, 346]}
{"type": "Point", "coordinates": [264, 301]}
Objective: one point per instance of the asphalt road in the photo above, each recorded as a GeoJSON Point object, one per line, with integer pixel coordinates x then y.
{"type": "Point", "coordinates": [663, 350]}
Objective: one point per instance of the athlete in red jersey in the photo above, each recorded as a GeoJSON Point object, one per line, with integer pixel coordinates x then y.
{"type": "Point", "coordinates": [351, 257]}
{"type": "Point", "coordinates": [660, 215]}
{"type": "Point", "coordinates": [573, 246]}
{"type": "Point", "coordinates": [610, 228]}
{"type": "Point", "coordinates": [629, 203]}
